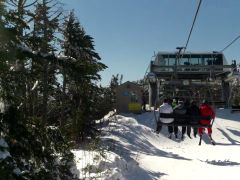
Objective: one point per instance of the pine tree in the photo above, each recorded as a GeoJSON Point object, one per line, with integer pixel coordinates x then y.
{"type": "Point", "coordinates": [34, 95]}
{"type": "Point", "coordinates": [43, 41]}
{"type": "Point", "coordinates": [18, 18]}
{"type": "Point", "coordinates": [79, 77]}
{"type": "Point", "coordinates": [32, 145]}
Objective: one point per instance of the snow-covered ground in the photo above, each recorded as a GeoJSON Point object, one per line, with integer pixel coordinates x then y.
{"type": "Point", "coordinates": [137, 153]}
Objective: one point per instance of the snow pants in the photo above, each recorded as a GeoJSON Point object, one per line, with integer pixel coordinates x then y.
{"type": "Point", "coordinates": [204, 122]}
{"type": "Point", "coordinates": [172, 129]}
{"type": "Point", "coordinates": [195, 130]}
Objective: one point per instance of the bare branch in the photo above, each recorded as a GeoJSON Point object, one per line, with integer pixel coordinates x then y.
{"type": "Point", "coordinates": [30, 4]}
{"type": "Point", "coordinates": [11, 3]}
{"type": "Point", "coordinates": [50, 1]}
{"type": "Point", "coordinates": [24, 1]}
{"type": "Point", "coordinates": [55, 12]}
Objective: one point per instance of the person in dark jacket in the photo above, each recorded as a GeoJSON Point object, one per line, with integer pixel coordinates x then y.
{"type": "Point", "coordinates": [193, 110]}
{"type": "Point", "coordinates": [180, 109]}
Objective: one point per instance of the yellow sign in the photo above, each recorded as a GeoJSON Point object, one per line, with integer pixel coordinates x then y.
{"type": "Point", "coordinates": [134, 107]}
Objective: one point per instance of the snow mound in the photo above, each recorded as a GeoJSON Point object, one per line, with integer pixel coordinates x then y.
{"type": "Point", "coordinates": [90, 164]}
{"type": "Point", "coordinates": [135, 151]}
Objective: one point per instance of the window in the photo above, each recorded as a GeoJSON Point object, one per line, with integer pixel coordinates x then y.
{"type": "Point", "coordinates": [133, 96]}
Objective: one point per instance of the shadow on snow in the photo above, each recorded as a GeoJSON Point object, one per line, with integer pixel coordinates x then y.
{"type": "Point", "coordinates": [235, 132]}
{"type": "Point", "coordinates": [231, 140]}
{"type": "Point", "coordinates": [136, 142]}
{"type": "Point", "coordinates": [221, 163]}
{"type": "Point", "coordinates": [226, 114]}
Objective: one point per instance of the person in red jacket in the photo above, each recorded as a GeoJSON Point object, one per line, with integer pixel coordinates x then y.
{"type": "Point", "coordinates": [206, 110]}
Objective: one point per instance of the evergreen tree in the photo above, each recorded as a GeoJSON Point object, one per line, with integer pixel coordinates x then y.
{"type": "Point", "coordinates": [235, 92]}
{"type": "Point", "coordinates": [43, 41]}
{"type": "Point", "coordinates": [79, 77]}
{"type": "Point", "coordinates": [114, 83]}
{"type": "Point", "coordinates": [32, 147]}
{"type": "Point", "coordinates": [33, 94]}
{"type": "Point", "coordinates": [18, 18]}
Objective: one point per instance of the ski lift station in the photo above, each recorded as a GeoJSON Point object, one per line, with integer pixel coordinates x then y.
{"type": "Point", "coordinates": [192, 76]}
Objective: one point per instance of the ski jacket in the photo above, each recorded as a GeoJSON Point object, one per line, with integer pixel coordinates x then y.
{"type": "Point", "coordinates": [180, 109]}
{"type": "Point", "coordinates": [206, 110]}
{"type": "Point", "coordinates": [193, 110]}
{"type": "Point", "coordinates": [166, 108]}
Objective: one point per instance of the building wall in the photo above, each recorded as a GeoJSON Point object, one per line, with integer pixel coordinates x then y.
{"type": "Point", "coordinates": [128, 98]}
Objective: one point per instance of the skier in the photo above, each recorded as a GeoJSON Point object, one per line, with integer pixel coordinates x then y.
{"type": "Point", "coordinates": [180, 109]}
{"type": "Point", "coordinates": [206, 110]}
{"type": "Point", "coordinates": [167, 109]}
{"type": "Point", "coordinates": [193, 110]}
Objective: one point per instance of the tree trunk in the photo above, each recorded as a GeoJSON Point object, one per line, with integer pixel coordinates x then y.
{"type": "Point", "coordinates": [45, 68]}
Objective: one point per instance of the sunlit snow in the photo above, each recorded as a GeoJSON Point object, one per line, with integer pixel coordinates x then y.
{"type": "Point", "coordinates": [136, 152]}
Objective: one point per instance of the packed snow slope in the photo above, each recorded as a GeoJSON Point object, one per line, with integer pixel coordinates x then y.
{"type": "Point", "coordinates": [148, 155]}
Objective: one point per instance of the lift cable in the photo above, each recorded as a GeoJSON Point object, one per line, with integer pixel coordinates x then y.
{"type": "Point", "coordinates": [199, 4]}
{"type": "Point", "coordinates": [230, 43]}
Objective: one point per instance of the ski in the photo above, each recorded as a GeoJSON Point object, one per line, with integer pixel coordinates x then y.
{"type": "Point", "coordinates": [212, 141]}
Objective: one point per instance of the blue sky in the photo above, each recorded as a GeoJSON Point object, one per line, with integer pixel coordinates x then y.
{"type": "Point", "coordinates": [128, 32]}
